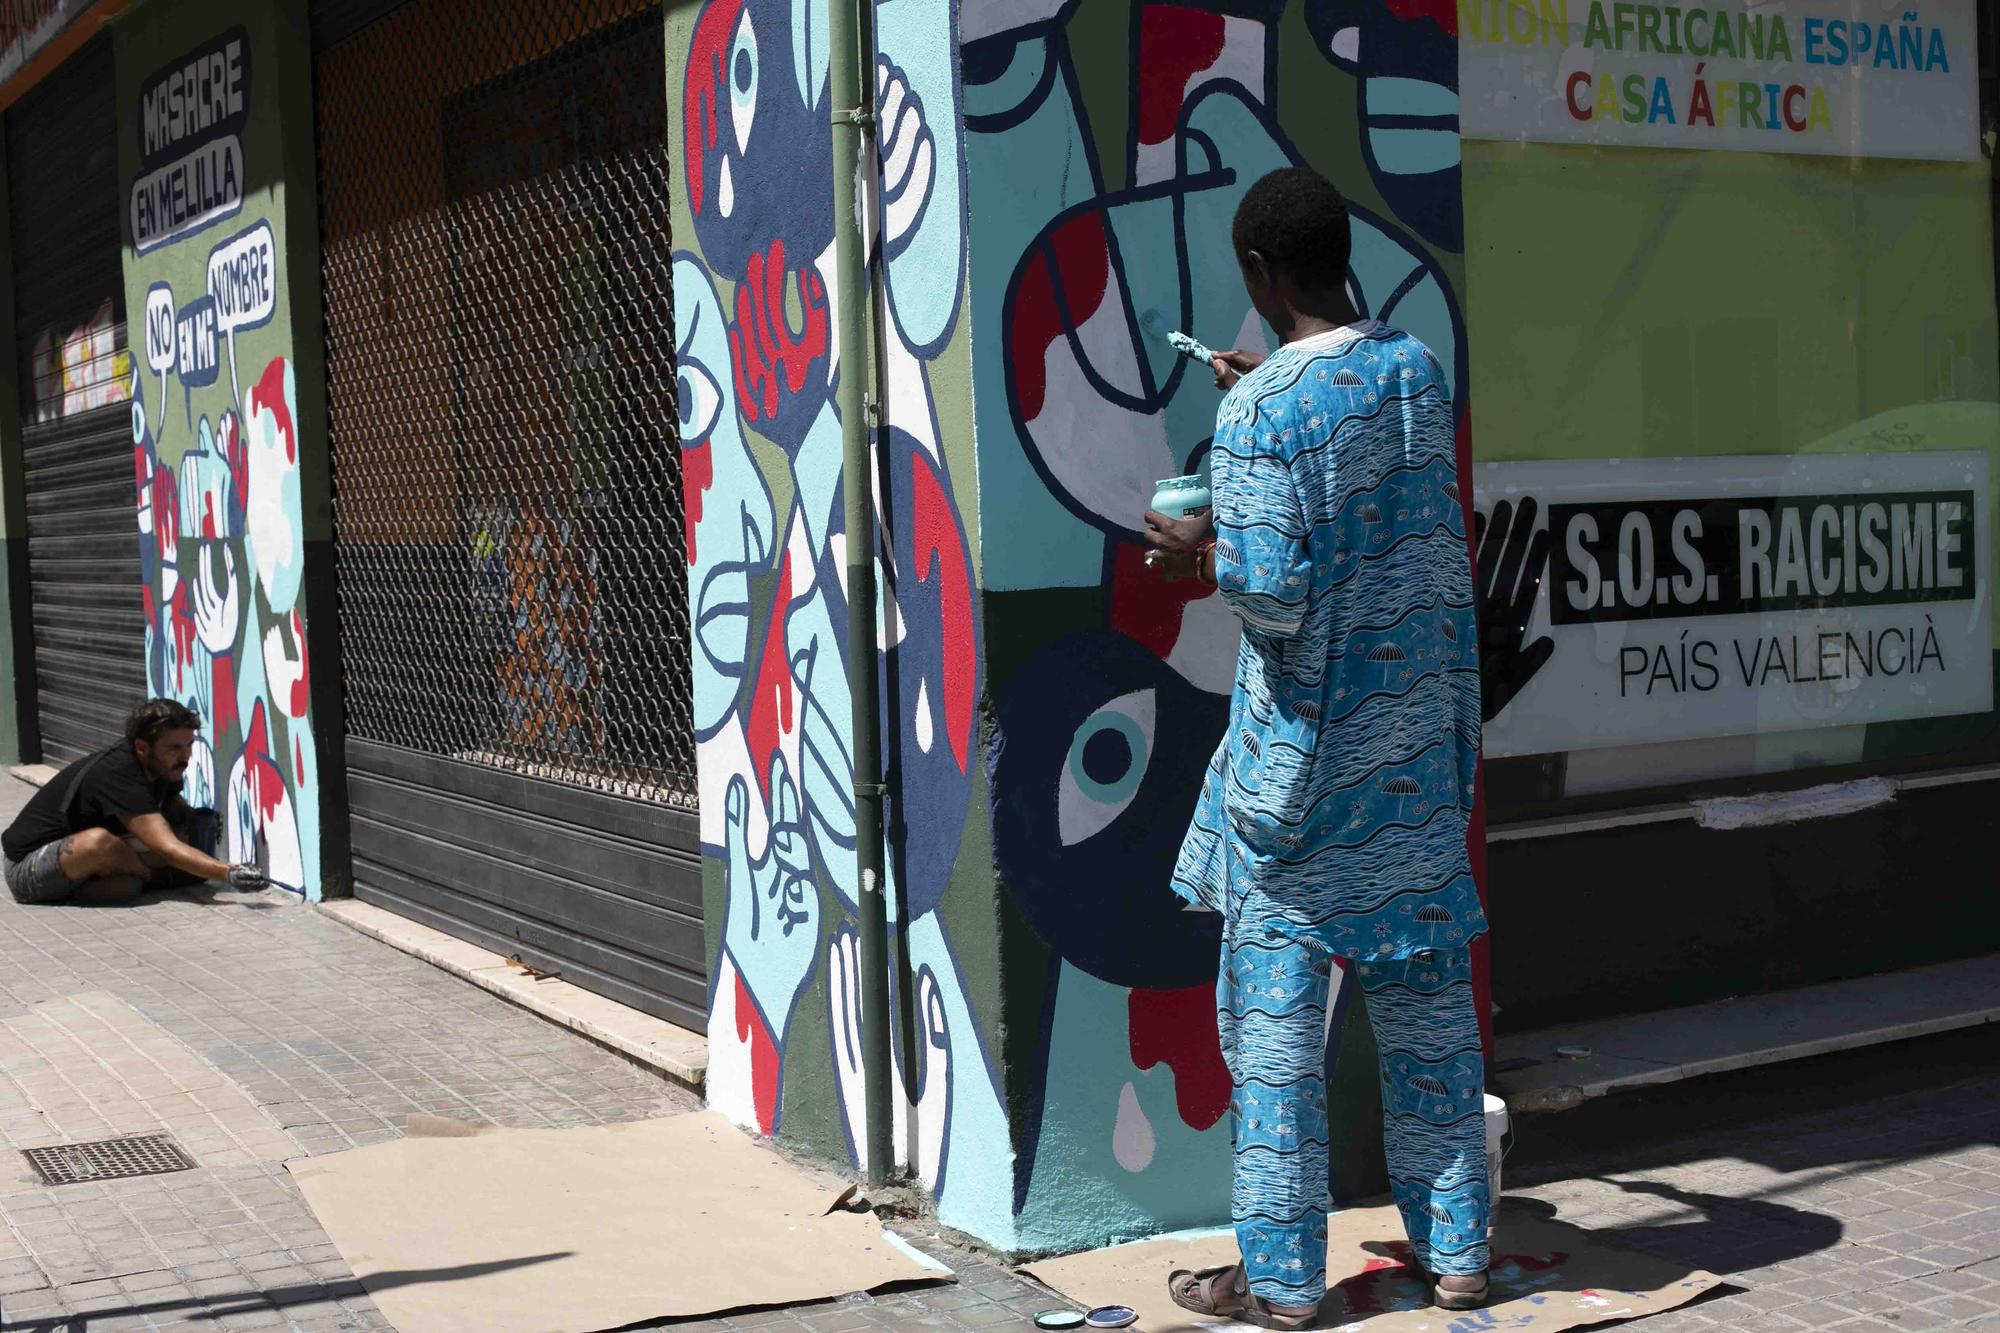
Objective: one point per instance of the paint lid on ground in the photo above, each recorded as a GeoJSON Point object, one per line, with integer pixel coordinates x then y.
{"type": "Point", "coordinates": [1111, 1316]}
{"type": "Point", "coordinates": [1055, 1319]}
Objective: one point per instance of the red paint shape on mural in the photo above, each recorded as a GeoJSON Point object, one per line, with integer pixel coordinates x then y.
{"type": "Point", "coordinates": [1444, 13]}
{"type": "Point", "coordinates": [697, 475]}
{"type": "Point", "coordinates": [180, 622]}
{"type": "Point", "coordinates": [302, 687]}
{"type": "Point", "coordinates": [235, 456]}
{"type": "Point", "coordinates": [751, 1031]}
{"type": "Point", "coordinates": [769, 359]}
{"type": "Point", "coordinates": [1083, 263]}
{"type": "Point", "coordinates": [707, 77]}
{"type": "Point", "coordinates": [1036, 325]}
{"type": "Point", "coordinates": [771, 702]}
{"type": "Point", "coordinates": [940, 556]}
{"type": "Point", "coordinates": [269, 396]}
{"type": "Point", "coordinates": [222, 674]}
{"type": "Point", "coordinates": [1145, 607]}
{"type": "Point", "coordinates": [166, 508]}
{"type": "Point", "coordinates": [299, 760]}
{"type": "Point", "coordinates": [1079, 257]}
{"type": "Point", "coordinates": [267, 783]}
{"type": "Point", "coordinates": [1175, 45]}
{"type": "Point", "coordinates": [1177, 1028]}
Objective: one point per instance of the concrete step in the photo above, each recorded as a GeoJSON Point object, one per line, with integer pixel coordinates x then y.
{"type": "Point", "coordinates": [1556, 1068]}
{"type": "Point", "coordinates": [673, 1051]}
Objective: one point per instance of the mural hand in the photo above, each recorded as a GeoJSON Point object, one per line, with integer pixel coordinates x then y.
{"type": "Point", "coordinates": [843, 1002]}
{"type": "Point", "coordinates": [1233, 365]}
{"type": "Point", "coordinates": [909, 156]}
{"type": "Point", "coordinates": [215, 595]}
{"type": "Point", "coordinates": [933, 1081]}
{"type": "Point", "coordinates": [1510, 559]}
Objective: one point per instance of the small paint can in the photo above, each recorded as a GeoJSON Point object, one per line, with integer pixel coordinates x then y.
{"type": "Point", "coordinates": [1111, 1316]}
{"type": "Point", "coordinates": [1059, 1319]}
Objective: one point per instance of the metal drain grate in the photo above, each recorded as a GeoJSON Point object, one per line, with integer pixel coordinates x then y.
{"type": "Point", "coordinates": [108, 1159]}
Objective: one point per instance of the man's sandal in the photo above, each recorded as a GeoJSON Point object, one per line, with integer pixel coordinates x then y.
{"type": "Point", "coordinates": [1221, 1292]}
{"type": "Point", "coordinates": [1468, 1291]}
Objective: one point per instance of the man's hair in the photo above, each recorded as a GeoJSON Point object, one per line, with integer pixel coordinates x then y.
{"type": "Point", "coordinates": [149, 719]}
{"type": "Point", "coordinates": [1297, 220]}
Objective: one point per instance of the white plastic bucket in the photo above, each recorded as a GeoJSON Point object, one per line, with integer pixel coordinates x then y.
{"type": "Point", "coordinates": [1497, 1144]}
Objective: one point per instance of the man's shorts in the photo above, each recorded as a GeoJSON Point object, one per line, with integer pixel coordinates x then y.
{"type": "Point", "coordinates": [38, 877]}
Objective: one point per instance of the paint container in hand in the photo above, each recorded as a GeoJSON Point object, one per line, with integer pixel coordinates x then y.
{"type": "Point", "coordinates": [1498, 1141]}
{"type": "Point", "coordinates": [1181, 497]}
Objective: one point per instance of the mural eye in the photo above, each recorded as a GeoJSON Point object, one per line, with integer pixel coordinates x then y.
{"type": "Point", "coordinates": [743, 83]}
{"type": "Point", "coordinates": [700, 401]}
{"type": "Point", "coordinates": [1106, 763]}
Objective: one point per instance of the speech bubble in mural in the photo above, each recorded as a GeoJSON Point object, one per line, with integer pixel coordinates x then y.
{"type": "Point", "coordinates": [243, 279]}
{"type": "Point", "coordinates": [243, 283]}
{"type": "Point", "coordinates": [160, 352]}
{"type": "Point", "coordinates": [196, 359]}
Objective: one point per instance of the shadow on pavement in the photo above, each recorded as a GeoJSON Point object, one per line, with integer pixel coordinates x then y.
{"type": "Point", "coordinates": [278, 1297]}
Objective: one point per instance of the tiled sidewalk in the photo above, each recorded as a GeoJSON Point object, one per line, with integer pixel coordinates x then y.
{"type": "Point", "coordinates": [1859, 1194]}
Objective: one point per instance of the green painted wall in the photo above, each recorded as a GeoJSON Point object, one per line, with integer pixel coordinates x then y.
{"type": "Point", "coordinates": [214, 117]}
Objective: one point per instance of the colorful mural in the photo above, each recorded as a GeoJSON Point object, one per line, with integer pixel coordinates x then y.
{"type": "Point", "coordinates": [1108, 143]}
{"type": "Point", "coordinates": [1059, 180]}
{"type": "Point", "coordinates": [215, 438]}
{"type": "Point", "coordinates": [761, 440]}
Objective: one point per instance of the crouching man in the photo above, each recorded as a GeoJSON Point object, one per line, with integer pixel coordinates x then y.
{"type": "Point", "coordinates": [116, 819]}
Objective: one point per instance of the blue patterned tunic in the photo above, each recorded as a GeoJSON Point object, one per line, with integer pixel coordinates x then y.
{"type": "Point", "coordinates": [1334, 811]}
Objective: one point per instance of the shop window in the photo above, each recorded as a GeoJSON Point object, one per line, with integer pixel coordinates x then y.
{"type": "Point", "coordinates": [1742, 385]}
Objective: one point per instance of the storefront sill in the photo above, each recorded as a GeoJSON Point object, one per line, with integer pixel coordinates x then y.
{"type": "Point", "coordinates": [1642, 1050]}
{"type": "Point", "coordinates": [659, 1045]}
{"type": "Point", "coordinates": [1564, 826]}
{"type": "Point", "coordinates": [35, 775]}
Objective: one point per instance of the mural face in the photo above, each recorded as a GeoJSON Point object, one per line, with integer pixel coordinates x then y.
{"type": "Point", "coordinates": [216, 450]}
{"type": "Point", "coordinates": [761, 442]}
{"type": "Point", "coordinates": [1108, 143]}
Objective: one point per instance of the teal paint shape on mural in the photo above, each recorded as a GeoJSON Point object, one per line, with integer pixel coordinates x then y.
{"type": "Point", "coordinates": [773, 924]}
{"type": "Point", "coordinates": [729, 511]}
{"type": "Point", "coordinates": [1115, 1158]}
{"type": "Point", "coordinates": [1415, 151]}
{"type": "Point", "coordinates": [923, 214]}
{"type": "Point", "coordinates": [975, 1187]}
{"type": "Point", "coordinates": [816, 469]}
{"type": "Point", "coordinates": [1035, 164]}
{"type": "Point", "coordinates": [810, 48]}
{"type": "Point", "coordinates": [826, 722]}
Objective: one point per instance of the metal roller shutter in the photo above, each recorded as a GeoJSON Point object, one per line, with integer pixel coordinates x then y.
{"type": "Point", "coordinates": [508, 519]}
{"type": "Point", "coordinates": [89, 627]}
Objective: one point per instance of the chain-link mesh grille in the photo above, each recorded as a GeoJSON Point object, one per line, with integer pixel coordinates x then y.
{"type": "Point", "coordinates": [508, 516]}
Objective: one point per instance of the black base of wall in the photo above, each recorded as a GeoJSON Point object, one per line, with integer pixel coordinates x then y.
{"type": "Point", "coordinates": [1662, 915]}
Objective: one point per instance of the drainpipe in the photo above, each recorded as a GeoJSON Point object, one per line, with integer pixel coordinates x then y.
{"type": "Point", "coordinates": [851, 38]}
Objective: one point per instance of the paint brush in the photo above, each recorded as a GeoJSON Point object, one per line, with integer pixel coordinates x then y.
{"type": "Point", "coordinates": [1188, 347]}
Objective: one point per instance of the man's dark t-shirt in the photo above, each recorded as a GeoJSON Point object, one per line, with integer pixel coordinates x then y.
{"type": "Point", "coordinates": [115, 785]}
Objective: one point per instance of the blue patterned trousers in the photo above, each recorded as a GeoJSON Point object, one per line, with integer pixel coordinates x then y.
{"type": "Point", "coordinates": [1273, 1006]}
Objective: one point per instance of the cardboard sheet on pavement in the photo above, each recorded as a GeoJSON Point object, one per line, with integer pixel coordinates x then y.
{"type": "Point", "coordinates": [576, 1230]}
{"type": "Point", "coordinates": [1546, 1276]}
